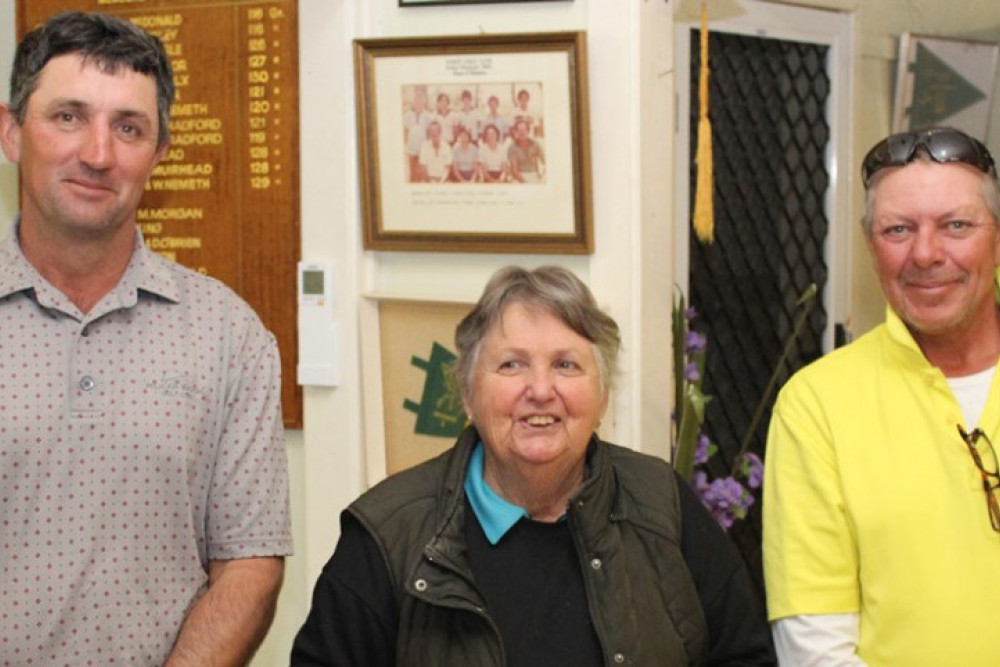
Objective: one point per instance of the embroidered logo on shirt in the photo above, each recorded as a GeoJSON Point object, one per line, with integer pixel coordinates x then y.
{"type": "Point", "coordinates": [182, 384]}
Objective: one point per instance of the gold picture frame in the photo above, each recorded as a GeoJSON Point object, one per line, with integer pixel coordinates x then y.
{"type": "Point", "coordinates": [517, 182]}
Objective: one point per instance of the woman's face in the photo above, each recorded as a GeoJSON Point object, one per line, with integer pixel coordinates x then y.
{"type": "Point", "coordinates": [537, 394]}
{"type": "Point", "coordinates": [491, 136]}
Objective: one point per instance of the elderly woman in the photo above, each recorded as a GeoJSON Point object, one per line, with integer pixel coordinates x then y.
{"type": "Point", "coordinates": [531, 541]}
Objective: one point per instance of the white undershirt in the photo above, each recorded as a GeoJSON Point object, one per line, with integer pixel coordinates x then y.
{"type": "Point", "coordinates": [817, 640]}
{"type": "Point", "coordinates": [831, 640]}
{"type": "Point", "coordinates": [971, 391]}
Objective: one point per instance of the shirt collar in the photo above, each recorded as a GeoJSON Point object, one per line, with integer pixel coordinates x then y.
{"type": "Point", "coordinates": [496, 515]}
{"type": "Point", "coordinates": [144, 273]}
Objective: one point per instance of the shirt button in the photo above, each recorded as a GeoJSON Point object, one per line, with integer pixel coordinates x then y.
{"type": "Point", "coordinates": [619, 658]}
{"type": "Point", "coordinates": [595, 564]}
{"type": "Point", "coordinates": [87, 383]}
{"type": "Point", "coordinates": [420, 585]}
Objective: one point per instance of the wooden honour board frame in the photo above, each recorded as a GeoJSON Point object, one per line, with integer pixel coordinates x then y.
{"type": "Point", "coordinates": [225, 199]}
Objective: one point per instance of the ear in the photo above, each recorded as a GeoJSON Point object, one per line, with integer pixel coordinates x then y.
{"type": "Point", "coordinates": [10, 134]}
{"type": "Point", "coordinates": [160, 152]}
{"type": "Point", "coordinates": [996, 245]}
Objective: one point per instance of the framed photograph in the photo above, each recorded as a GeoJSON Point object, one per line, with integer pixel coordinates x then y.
{"type": "Point", "coordinates": [941, 81]}
{"type": "Point", "coordinates": [424, 3]}
{"type": "Point", "coordinates": [412, 408]}
{"type": "Point", "coordinates": [475, 143]}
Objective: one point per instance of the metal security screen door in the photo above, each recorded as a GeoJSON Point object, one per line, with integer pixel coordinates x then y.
{"type": "Point", "coordinates": [771, 102]}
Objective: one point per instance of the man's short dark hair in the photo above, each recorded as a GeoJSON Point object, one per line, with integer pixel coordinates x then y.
{"type": "Point", "coordinates": [108, 42]}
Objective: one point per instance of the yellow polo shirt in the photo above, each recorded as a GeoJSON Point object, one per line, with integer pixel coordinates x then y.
{"type": "Point", "coordinates": [873, 505]}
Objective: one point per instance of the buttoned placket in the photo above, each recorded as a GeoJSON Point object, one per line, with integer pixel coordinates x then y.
{"type": "Point", "coordinates": [86, 385]}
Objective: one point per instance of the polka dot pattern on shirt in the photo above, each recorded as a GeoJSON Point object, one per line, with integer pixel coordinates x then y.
{"type": "Point", "coordinates": [137, 442]}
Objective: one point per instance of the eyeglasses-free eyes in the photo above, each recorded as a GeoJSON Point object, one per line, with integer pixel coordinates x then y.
{"type": "Point", "coordinates": [942, 144]}
{"type": "Point", "coordinates": [988, 471]}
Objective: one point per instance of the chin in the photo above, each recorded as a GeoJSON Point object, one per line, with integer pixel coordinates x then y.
{"type": "Point", "coordinates": [540, 452]}
{"type": "Point", "coordinates": [935, 326]}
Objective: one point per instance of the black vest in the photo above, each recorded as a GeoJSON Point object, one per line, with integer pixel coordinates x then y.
{"type": "Point", "coordinates": [625, 522]}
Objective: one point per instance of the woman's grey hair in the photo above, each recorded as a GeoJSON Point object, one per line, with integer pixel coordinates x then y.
{"type": "Point", "coordinates": [551, 288]}
{"type": "Point", "coordinates": [989, 189]}
{"type": "Point", "coordinates": [109, 42]}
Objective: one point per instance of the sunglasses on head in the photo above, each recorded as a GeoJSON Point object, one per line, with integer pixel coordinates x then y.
{"type": "Point", "coordinates": [942, 144]}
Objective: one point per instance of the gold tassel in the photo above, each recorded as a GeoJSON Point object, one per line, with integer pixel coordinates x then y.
{"type": "Point", "coordinates": [704, 214]}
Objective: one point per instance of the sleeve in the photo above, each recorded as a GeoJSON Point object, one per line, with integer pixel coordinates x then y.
{"type": "Point", "coordinates": [247, 501]}
{"type": "Point", "coordinates": [353, 619]}
{"type": "Point", "coordinates": [738, 634]}
{"type": "Point", "coordinates": [820, 640]}
{"type": "Point", "coordinates": [810, 553]}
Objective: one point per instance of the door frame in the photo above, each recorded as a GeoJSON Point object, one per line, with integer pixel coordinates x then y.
{"type": "Point", "coordinates": [835, 29]}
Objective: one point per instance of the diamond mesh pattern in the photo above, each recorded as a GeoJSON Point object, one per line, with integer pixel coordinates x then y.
{"type": "Point", "coordinates": [767, 106]}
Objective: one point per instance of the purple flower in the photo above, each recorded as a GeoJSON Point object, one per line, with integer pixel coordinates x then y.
{"type": "Point", "coordinates": [725, 498]}
{"type": "Point", "coordinates": [699, 481]}
{"type": "Point", "coordinates": [694, 342]}
{"type": "Point", "coordinates": [690, 313]}
{"type": "Point", "coordinates": [691, 373]}
{"type": "Point", "coordinates": [701, 450]}
{"type": "Point", "coordinates": [752, 469]}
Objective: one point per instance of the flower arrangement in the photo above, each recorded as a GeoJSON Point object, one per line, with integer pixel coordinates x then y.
{"type": "Point", "coordinates": [728, 498]}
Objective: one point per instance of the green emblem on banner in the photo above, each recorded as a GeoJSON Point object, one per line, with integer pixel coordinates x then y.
{"type": "Point", "coordinates": [439, 413]}
{"type": "Point", "coordinates": [939, 92]}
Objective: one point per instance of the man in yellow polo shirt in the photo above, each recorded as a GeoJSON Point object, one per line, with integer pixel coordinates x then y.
{"type": "Point", "coordinates": [881, 516]}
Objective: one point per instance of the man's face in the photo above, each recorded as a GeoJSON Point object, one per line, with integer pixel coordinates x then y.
{"type": "Point", "coordinates": [521, 132]}
{"type": "Point", "coordinates": [936, 248]}
{"type": "Point", "coordinates": [434, 133]}
{"type": "Point", "coordinates": [86, 148]}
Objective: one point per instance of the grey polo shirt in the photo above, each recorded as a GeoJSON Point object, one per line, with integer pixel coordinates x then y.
{"type": "Point", "coordinates": [137, 442]}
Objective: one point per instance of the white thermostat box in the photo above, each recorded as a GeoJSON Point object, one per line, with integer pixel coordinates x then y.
{"type": "Point", "coordinates": [318, 336]}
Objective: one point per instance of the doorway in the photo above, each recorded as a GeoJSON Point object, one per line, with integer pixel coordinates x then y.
{"type": "Point", "coordinates": [779, 106]}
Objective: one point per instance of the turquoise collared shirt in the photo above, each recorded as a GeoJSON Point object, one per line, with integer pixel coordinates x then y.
{"type": "Point", "coordinates": [495, 514]}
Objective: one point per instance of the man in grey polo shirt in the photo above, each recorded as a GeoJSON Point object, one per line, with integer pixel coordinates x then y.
{"type": "Point", "coordinates": [143, 485]}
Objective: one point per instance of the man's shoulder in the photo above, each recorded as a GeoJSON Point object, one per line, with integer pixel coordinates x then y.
{"type": "Point", "coordinates": [210, 299]}
{"type": "Point", "coordinates": [849, 377]}
{"type": "Point", "coordinates": [192, 284]}
{"type": "Point", "coordinates": [863, 355]}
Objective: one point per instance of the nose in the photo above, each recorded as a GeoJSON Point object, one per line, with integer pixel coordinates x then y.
{"type": "Point", "coordinates": [97, 150]}
{"type": "Point", "coordinates": [541, 385]}
{"type": "Point", "coordinates": [927, 247]}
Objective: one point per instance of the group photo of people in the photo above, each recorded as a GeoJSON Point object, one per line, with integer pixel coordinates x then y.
{"type": "Point", "coordinates": [484, 133]}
